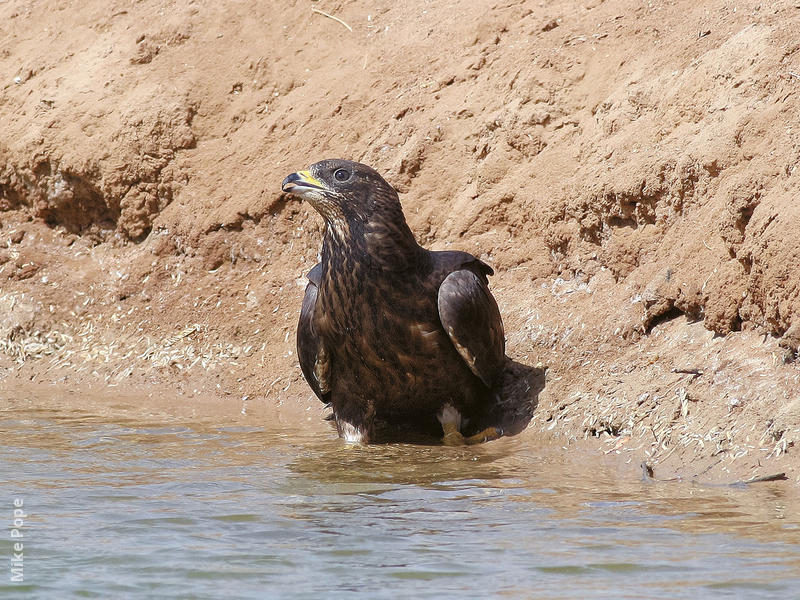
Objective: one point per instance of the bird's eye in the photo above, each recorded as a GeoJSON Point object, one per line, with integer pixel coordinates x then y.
{"type": "Point", "coordinates": [341, 175]}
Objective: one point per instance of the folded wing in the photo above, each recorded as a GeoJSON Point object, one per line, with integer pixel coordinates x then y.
{"type": "Point", "coordinates": [314, 359]}
{"type": "Point", "coordinates": [470, 316]}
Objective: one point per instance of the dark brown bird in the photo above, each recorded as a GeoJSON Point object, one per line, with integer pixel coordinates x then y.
{"type": "Point", "coordinates": [399, 340]}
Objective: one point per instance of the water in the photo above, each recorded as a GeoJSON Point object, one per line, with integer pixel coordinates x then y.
{"type": "Point", "coordinates": [157, 508]}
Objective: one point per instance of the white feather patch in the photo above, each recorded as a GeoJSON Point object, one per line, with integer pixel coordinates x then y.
{"type": "Point", "coordinates": [350, 433]}
{"type": "Point", "coordinates": [448, 415]}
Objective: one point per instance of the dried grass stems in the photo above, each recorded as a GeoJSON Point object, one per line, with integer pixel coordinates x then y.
{"type": "Point", "coordinates": [89, 348]}
{"type": "Point", "coordinates": [20, 345]}
{"type": "Point", "coordinates": [657, 423]}
{"type": "Point", "coordinates": [337, 19]}
{"type": "Point", "coordinates": [659, 426]}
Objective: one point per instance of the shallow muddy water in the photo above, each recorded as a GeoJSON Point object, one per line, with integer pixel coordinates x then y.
{"type": "Point", "coordinates": [153, 508]}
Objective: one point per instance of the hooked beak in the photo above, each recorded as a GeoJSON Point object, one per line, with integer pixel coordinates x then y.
{"type": "Point", "coordinates": [301, 182]}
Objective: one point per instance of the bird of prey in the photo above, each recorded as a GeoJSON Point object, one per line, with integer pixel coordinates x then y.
{"type": "Point", "coordinates": [396, 338]}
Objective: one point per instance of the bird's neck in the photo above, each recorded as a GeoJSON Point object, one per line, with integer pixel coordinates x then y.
{"type": "Point", "coordinates": [383, 243]}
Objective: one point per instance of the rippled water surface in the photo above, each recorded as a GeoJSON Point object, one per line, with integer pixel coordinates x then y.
{"type": "Point", "coordinates": [119, 508]}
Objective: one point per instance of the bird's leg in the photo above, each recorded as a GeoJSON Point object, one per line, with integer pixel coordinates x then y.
{"type": "Point", "coordinates": [450, 419]}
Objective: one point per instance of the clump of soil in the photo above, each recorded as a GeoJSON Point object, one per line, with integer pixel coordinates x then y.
{"type": "Point", "coordinates": [630, 172]}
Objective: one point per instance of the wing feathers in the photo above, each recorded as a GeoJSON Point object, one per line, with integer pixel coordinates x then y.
{"type": "Point", "coordinates": [470, 316]}
{"type": "Point", "coordinates": [314, 360]}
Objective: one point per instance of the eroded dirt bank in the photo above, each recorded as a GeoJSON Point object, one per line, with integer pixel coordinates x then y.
{"type": "Point", "coordinates": [628, 168]}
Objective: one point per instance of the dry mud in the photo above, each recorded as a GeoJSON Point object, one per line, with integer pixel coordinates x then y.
{"type": "Point", "coordinates": [629, 169]}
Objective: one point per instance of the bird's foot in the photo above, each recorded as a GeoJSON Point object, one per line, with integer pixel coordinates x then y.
{"type": "Point", "coordinates": [487, 435]}
{"type": "Point", "coordinates": [452, 436]}
{"type": "Point", "coordinates": [450, 419]}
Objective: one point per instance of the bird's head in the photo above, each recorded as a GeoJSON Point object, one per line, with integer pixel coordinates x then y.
{"type": "Point", "coordinates": [342, 191]}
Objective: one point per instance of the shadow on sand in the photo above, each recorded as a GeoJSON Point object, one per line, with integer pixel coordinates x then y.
{"type": "Point", "coordinates": [519, 397]}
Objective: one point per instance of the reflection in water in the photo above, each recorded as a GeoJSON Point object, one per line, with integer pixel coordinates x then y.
{"type": "Point", "coordinates": [402, 464]}
{"type": "Point", "coordinates": [156, 509]}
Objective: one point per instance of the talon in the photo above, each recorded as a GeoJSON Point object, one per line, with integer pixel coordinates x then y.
{"type": "Point", "coordinates": [487, 435]}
